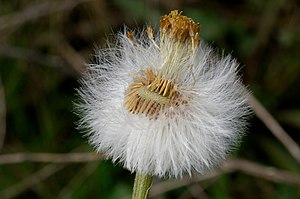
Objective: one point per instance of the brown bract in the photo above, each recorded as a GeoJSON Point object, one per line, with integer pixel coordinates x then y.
{"type": "Point", "coordinates": [179, 27]}
{"type": "Point", "coordinates": [149, 94]}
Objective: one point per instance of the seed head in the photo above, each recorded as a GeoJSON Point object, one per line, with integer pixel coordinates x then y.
{"type": "Point", "coordinates": [163, 103]}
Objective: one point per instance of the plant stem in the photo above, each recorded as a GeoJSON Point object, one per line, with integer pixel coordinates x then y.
{"type": "Point", "coordinates": [142, 185]}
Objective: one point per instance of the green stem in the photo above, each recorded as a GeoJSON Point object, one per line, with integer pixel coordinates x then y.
{"type": "Point", "coordinates": [142, 185]}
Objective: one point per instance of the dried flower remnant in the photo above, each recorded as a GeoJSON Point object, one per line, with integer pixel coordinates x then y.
{"type": "Point", "coordinates": [179, 28]}
{"type": "Point", "coordinates": [163, 103]}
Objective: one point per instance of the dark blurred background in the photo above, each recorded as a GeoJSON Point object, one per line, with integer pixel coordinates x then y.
{"type": "Point", "coordinates": [44, 45]}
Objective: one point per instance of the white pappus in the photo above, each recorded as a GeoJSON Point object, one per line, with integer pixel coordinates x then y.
{"type": "Point", "coordinates": [163, 104]}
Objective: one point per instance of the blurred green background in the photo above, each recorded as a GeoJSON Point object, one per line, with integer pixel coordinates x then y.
{"type": "Point", "coordinates": [44, 45]}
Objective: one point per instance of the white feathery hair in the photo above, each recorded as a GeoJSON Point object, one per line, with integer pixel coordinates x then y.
{"type": "Point", "coordinates": [188, 138]}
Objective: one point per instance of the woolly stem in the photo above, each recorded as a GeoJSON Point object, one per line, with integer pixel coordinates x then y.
{"type": "Point", "coordinates": [142, 185]}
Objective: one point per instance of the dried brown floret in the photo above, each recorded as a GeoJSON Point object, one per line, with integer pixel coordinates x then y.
{"type": "Point", "coordinates": [180, 27]}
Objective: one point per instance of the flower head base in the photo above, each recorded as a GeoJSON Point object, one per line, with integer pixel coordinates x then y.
{"type": "Point", "coordinates": [164, 105]}
{"type": "Point", "coordinates": [150, 94]}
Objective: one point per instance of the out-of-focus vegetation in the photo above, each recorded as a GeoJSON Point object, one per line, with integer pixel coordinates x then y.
{"type": "Point", "coordinates": [43, 47]}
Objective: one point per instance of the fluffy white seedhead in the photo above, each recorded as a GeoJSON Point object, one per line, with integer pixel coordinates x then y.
{"type": "Point", "coordinates": [163, 104]}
